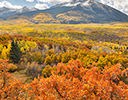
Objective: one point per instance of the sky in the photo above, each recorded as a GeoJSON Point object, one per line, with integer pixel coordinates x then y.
{"type": "Point", "coordinates": [121, 5]}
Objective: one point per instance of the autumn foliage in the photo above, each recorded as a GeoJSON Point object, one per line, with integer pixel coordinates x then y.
{"type": "Point", "coordinates": [63, 62]}
{"type": "Point", "coordinates": [9, 87]}
{"type": "Point", "coordinates": [68, 82]}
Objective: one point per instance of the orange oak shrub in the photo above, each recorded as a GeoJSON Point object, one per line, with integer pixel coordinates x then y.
{"type": "Point", "coordinates": [9, 87]}
{"type": "Point", "coordinates": [68, 82]}
{"type": "Point", "coordinates": [74, 82]}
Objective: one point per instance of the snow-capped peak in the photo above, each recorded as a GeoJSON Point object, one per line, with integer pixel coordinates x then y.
{"type": "Point", "coordinates": [26, 9]}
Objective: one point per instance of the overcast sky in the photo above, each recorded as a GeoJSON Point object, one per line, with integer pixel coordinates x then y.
{"type": "Point", "coordinates": [121, 5]}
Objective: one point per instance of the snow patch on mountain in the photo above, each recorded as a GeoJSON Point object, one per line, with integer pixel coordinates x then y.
{"type": "Point", "coordinates": [5, 11]}
{"type": "Point", "coordinates": [86, 3]}
{"type": "Point", "coordinates": [26, 9]}
{"type": "Point", "coordinates": [70, 4]}
{"type": "Point", "coordinates": [78, 2]}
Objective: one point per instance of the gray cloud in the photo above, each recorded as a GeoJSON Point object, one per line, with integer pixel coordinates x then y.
{"type": "Point", "coordinates": [121, 5]}
{"type": "Point", "coordinates": [54, 1]}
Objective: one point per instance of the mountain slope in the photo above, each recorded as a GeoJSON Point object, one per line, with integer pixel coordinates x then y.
{"type": "Point", "coordinates": [91, 11]}
{"type": "Point", "coordinates": [7, 12]}
{"type": "Point", "coordinates": [75, 12]}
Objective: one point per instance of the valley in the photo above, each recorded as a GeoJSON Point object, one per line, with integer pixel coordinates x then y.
{"type": "Point", "coordinates": [74, 50]}
{"type": "Point", "coordinates": [47, 48]}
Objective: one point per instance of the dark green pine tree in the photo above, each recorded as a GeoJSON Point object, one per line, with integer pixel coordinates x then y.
{"type": "Point", "coordinates": [15, 52]}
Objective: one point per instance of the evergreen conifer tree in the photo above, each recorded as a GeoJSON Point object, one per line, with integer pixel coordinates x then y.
{"type": "Point", "coordinates": [15, 52]}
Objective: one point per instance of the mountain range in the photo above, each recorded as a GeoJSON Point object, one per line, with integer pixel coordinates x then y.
{"type": "Point", "coordinates": [7, 12]}
{"type": "Point", "coordinates": [75, 12]}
